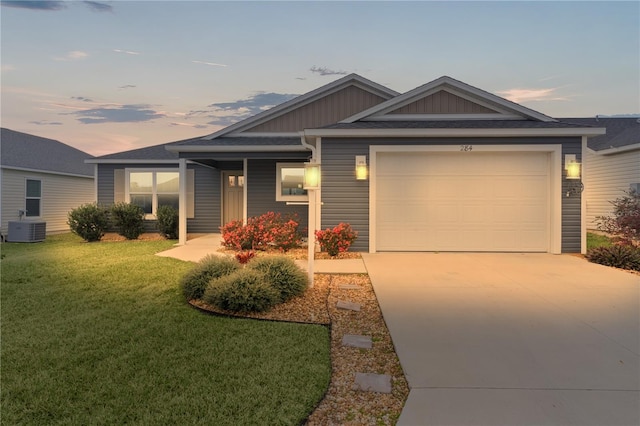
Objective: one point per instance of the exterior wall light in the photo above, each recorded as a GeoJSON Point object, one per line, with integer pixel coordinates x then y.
{"type": "Point", "coordinates": [311, 176]}
{"type": "Point", "coordinates": [572, 166]}
{"type": "Point", "coordinates": [361, 167]}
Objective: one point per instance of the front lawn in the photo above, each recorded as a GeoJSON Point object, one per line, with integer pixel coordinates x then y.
{"type": "Point", "coordinates": [99, 333]}
{"type": "Point", "coordinates": [597, 240]}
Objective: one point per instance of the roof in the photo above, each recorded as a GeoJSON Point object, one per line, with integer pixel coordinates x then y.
{"type": "Point", "coordinates": [24, 151]}
{"type": "Point", "coordinates": [621, 131]}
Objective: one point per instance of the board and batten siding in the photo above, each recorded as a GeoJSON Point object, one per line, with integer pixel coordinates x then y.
{"type": "Point", "coordinates": [606, 178]}
{"type": "Point", "coordinates": [443, 102]}
{"type": "Point", "coordinates": [206, 193]}
{"type": "Point", "coordinates": [261, 192]}
{"type": "Point", "coordinates": [346, 200]}
{"type": "Point", "coordinates": [60, 194]}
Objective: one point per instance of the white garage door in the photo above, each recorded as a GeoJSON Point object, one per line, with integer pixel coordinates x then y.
{"type": "Point", "coordinates": [462, 201]}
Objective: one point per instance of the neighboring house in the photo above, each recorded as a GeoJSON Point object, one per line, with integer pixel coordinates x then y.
{"type": "Point", "coordinates": [450, 168]}
{"type": "Point", "coordinates": [41, 180]}
{"type": "Point", "coordinates": [613, 163]}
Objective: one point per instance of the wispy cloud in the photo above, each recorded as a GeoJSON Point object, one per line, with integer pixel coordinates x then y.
{"type": "Point", "coordinates": [530, 95]}
{"type": "Point", "coordinates": [213, 64]}
{"type": "Point", "coordinates": [98, 6]}
{"type": "Point", "coordinates": [46, 123]}
{"type": "Point", "coordinates": [118, 114]}
{"type": "Point", "coordinates": [326, 71]}
{"type": "Point", "coordinates": [7, 67]}
{"type": "Point", "coordinates": [35, 5]}
{"type": "Point", "coordinates": [127, 86]}
{"type": "Point", "coordinates": [128, 52]}
{"type": "Point", "coordinates": [72, 56]}
{"type": "Point", "coordinates": [81, 98]}
{"type": "Point", "coordinates": [225, 113]}
{"type": "Point", "coordinates": [182, 124]}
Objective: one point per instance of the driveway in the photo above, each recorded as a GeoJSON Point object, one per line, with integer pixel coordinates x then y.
{"type": "Point", "coordinates": [512, 339]}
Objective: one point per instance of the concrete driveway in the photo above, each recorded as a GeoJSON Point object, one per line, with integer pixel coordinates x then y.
{"type": "Point", "coordinates": [512, 339]}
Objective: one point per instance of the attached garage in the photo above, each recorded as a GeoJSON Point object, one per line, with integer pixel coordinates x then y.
{"type": "Point", "coordinates": [452, 200]}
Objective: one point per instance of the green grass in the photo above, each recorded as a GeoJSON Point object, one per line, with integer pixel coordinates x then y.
{"type": "Point", "coordinates": [99, 333]}
{"type": "Point", "coordinates": [597, 240]}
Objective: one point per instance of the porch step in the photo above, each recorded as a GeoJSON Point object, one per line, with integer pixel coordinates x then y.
{"type": "Point", "coordinates": [357, 341]}
{"type": "Point", "coordinates": [345, 304]}
{"type": "Point", "coordinates": [370, 382]}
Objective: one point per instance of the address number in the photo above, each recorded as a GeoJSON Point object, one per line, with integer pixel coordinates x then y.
{"type": "Point", "coordinates": [466, 148]}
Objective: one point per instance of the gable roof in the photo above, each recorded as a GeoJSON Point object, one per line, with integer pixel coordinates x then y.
{"type": "Point", "coordinates": [490, 104]}
{"type": "Point", "coordinates": [621, 131]}
{"type": "Point", "coordinates": [302, 100]}
{"type": "Point", "coordinates": [29, 152]}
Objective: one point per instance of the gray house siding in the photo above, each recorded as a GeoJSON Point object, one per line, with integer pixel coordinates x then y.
{"type": "Point", "coordinates": [261, 192]}
{"type": "Point", "coordinates": [347, 200]}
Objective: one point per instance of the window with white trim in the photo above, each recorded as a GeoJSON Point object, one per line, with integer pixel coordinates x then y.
{"type": "Point", "coordinates": [289, 182]}
{"type": "Point", "coordinates": [151, 189]}
{"type": "Point", "coordinates": [33, 199]}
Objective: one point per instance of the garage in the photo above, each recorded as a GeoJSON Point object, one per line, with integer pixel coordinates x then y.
{"type": "Point", "coordinates": [460, 200]}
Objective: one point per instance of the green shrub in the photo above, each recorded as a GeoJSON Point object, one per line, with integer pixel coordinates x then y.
{"type": "Point", "coordinates": [89, 221]}
{"type": "Point", "coordinates": [282, 274]}
{"type": "Point", "coordinates": [243, 291]}
{"type": "Point", "coordinates": [129, 219]}
{"type": "Point", "coordinates": [619, 256]}
{"type": "Point", "coordinates": [210, 267]}
{"type": "Point", "coordinates": [167, 221]}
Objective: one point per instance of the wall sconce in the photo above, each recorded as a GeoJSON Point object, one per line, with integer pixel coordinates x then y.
{"type": "Point", "coordinates": [572, 166]}
{"type": "Point", "coordinates": [361, 167]}
{"type": "Point", "coordinates": [311, 176]}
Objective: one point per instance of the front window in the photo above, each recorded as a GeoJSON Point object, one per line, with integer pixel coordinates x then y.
{"type": "Point", "coordinates": [289, 182]}
{"type": "Point", "coordinates": [33, 198]}
{"type": "Point", "coordinates": [152, 189]}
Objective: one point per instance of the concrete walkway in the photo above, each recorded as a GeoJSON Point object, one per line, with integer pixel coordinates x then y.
{"type": "Point", "coordinates": [512, 339]}
{"type": "Point", "coordinates": [200, 247]}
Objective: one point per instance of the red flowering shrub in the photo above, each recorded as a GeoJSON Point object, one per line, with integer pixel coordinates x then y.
{"type": "Point", "coordinates": [245, 256]}
{"type": "Point", "coordinates": [336, 240]}
{"type": "Point", "coordinates": [269, 229]}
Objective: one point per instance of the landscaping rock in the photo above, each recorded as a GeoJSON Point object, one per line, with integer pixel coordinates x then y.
{"type": "Point", "coordinates": [357, 341]}
{"type": "Point", "coordinates": [345, 304]}
{"type": "Point", "coordinates": [349, 287]}
{"type": "Point", "coordinates": [370, 382]}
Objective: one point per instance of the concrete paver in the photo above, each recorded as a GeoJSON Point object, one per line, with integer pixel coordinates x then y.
{"type": "Point", "coordinates": [511, 338]}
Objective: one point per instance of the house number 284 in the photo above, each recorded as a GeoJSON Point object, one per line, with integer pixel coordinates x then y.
{"type": "Point", "coordinates": [466, 148]}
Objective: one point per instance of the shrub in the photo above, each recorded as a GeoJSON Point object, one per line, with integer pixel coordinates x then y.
{"type": "Point", "coordinates": [282, 274]}
{"type": "Point", "coordinates": [243, 291]}
{"type": "Point", "coordinates": [625, 222]}
{"type": "Point", "coordinates": [210, 267]}
{"type": "Point", "coordinates": [336, 240]}
{"type": "Point", "coordinates": [167, 221]}
{"type": "Point", "coordinates": [89, 221]}
{"type": "Point", "coordinates": [129, 219]}
{"type": "Point", "coordinates": [619, 256]}
{"type": "Point", "coordinates": [245, 256]}
{"type": "Point", "coordinates": [260, 232]}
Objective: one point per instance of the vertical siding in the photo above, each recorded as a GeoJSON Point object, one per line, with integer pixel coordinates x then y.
{"type": "Point", "coordinates": [347, 200]}
{"type": "Point", "coordinates": [442, 102]}
{"type": "Point", "coordinates": [60, 194]}
{"type": "Point", "coordinates": [261, 192]}
{"type": "Point", "coordinates": [607, 176]}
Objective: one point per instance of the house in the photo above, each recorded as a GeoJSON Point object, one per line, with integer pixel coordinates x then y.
{"type": "Point", "coordinates": [41, 180]}
{"type": "Point", "coordinates": [449, 167]}
{"type": "Point", "coordinates": [613, 163]}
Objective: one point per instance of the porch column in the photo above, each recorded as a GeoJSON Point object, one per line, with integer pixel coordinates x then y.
{"type": "Point", "coordinates": [182, 209]}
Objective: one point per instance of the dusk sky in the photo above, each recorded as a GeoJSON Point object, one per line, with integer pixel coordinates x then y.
{"type": "Point", "coordinates": [108, 76]}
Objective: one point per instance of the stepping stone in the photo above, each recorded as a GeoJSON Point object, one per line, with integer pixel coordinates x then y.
{"type": "Point", "coordinates": [370, 382]}
{"type": "Point", "coordinates": [357, 341]}
{"type": "Point", "coordinates": [349, 287]}
{"type": "Point", "coordinates": [345, 304]}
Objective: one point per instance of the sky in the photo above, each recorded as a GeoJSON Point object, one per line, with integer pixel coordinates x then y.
{"type": "Point", "coordinates": [110, 76]}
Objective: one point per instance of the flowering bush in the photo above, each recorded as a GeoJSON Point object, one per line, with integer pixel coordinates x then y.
{"type": "Point", "coordinates": [336, 240]}
{"type": "Point", "coordinates": [269, 229]}
{"type": "Point", "coordinates": [245, 256]}
{"type": "Point", "coordinates": [625, 222]}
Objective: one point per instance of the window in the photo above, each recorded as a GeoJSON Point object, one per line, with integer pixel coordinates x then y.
{"type": "Point", "coordinates": [34, 197]}
{"type": "Point", "coordinates": [151, 189]}
{"type": "Point", "coordinates": [289, 181]}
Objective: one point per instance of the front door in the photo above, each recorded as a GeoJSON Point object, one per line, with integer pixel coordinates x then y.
{"type": "Point", "coordinates": [232, 196]}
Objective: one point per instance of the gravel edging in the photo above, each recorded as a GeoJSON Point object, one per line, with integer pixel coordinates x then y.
{"type": "Point", "coordinates": [341, 404]}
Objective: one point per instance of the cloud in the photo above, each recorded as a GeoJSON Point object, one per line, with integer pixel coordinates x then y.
{"type": "Point", "coordinates": [182, 124]}
{"type": "Point", "coordinates": [7, 67]}
{"type": "Point", "coordinates": [98, 7]}
{"type": "Point", "coordinates": [74, 55]}
{"type": "Point", "coordinates": [226, 113]}
{"type": "Point", "coordinates": [213, 64]}
{"type": "Point", "coordinates": [128, 52]}
{"type": "Point", "coordinates": [127, 86]}
{"type": "Point", "coordinates": [81, 98]}
{"type": "Point", "coordinates": [119, 114]}
{"type": "Point", "coordinates": [530, 95]}
{"type": "Point", "coordinates": [46, 123]}
{"type": "Point", "coordinates": [326, 71]}
{"type": "Point", "coordinates": [35, 5]}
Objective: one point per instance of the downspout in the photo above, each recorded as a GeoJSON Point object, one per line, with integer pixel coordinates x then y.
{"type": "Point", "coordinates": [311, 237]}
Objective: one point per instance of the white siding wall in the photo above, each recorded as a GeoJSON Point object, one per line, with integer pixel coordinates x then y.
{"type": "Point", "coordinates": [60, 194]}
{"type": "Point", "coordinates": [606, 177]}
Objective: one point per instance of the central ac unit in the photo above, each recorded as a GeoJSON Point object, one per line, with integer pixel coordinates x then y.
{"type": "Point", "coordinates": [25, 231]}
